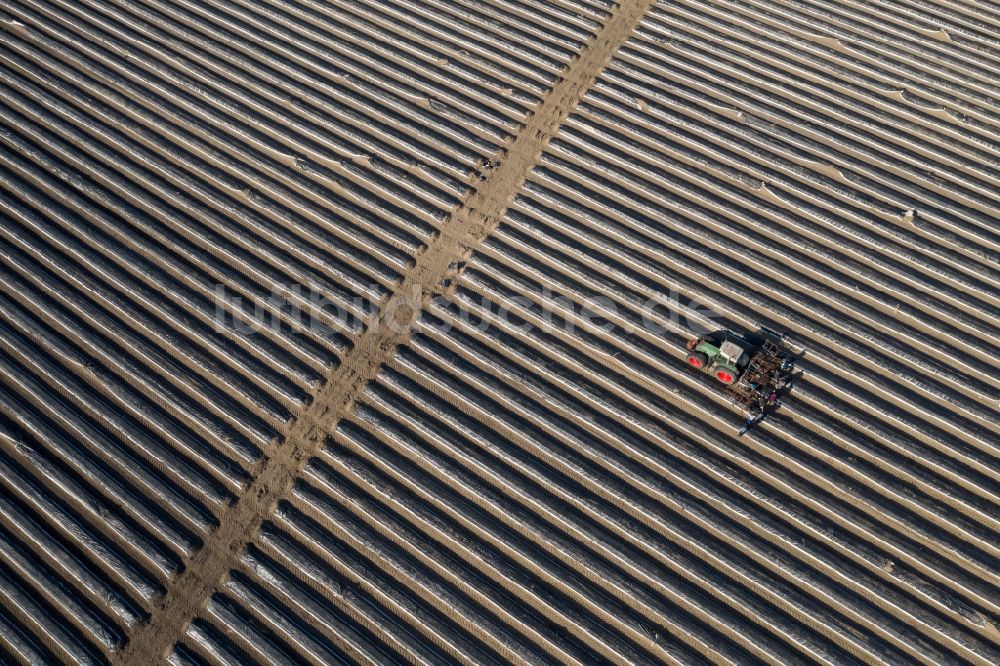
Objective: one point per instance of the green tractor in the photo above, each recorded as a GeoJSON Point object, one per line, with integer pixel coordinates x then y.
{"type": "Point", "coordinates": [753, 369]}
{"type": "Point", "coordinates": [724, 358]}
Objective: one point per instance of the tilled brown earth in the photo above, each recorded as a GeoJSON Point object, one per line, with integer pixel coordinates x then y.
{"type": "Point", "coordinates": [503, 219]}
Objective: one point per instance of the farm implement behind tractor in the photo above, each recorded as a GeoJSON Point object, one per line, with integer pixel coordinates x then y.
{"type": "Point", "coordinates": [755, 370]}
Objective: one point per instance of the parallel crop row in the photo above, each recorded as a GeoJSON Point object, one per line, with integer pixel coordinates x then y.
{"type": "Point", "coordinates": [537, 477]}
{"type": "Point", "coordinates": [201, 203]}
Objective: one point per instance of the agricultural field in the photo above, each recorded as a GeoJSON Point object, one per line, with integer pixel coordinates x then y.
{"type": "Point", "coordinates": [352, 331]}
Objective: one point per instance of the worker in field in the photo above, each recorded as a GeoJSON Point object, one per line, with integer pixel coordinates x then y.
{"type": "Point", "coordinates": [756, 414]}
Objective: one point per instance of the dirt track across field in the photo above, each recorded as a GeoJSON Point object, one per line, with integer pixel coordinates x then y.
{"type": "Point", "coordinates": [459, 235]}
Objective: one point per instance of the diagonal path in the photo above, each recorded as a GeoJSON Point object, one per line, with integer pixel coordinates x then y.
{"type": "Point", "coordinates": [459, 235]}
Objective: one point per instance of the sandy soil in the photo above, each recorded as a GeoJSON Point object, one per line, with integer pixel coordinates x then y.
{"type": "Point", "coordinates": [403, 487]}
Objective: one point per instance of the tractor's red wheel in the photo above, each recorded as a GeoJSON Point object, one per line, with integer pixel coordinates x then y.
{"type": "Point", "coordinates": [697, 360]}
{"type": "Point", "coordinates": [725, 375]}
